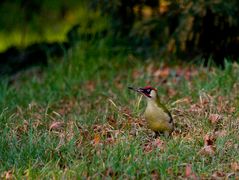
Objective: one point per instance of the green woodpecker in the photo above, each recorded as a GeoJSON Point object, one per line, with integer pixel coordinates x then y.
{"type": "Point", "coordinates": [156, 114]}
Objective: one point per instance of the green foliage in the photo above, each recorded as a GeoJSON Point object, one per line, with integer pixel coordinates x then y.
{"type": "Point", "coordinates": [182, 28]}
{"type": "Point", "coordinates": [27, 22]}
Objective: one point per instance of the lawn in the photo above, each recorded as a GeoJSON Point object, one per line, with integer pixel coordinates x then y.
{"type": "Point", "coordinates": [77, 118]}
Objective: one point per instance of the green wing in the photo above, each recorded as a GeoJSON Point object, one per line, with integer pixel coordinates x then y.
{"type": "Point", "coordinates": [165, 109]}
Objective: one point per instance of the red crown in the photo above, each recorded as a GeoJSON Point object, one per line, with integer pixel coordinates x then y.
{"type": "Point", "coordinates": [149, 87]}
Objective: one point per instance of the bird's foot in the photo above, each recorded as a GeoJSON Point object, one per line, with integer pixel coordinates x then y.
{"type": "Point", "coordinates": [158, 134]}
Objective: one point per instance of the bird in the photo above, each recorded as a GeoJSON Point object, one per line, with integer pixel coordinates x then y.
{"type": "Point", "coordinates": [158, 117]}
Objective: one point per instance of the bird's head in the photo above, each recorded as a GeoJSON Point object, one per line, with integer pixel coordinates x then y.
{"type": "Point", "coordinates": [147, 91]}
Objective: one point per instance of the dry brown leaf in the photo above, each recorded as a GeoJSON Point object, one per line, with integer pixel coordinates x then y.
{"type": "Point", "coordinates": [155, 144]}
{"type": "Point", "coordinates": [148, 148]}
{"type": "Point", "coordinates": [8, 175]}
{"type": "Point", "coordinates": [229, 144]}
{"type": "Point", "coordinates": [150, 68]}
{"type": "Point", "coordinates": [112, 121]}
{"type": "Point", "coordinates": [172, 92]}
{"type": "Point", "coordinates": [96, 139]}
{"type": "Point", "coordinates": [56, 125]}
{"type": "Point", "coordinates": [189, 173]}
{"type": "Point", "coordinates": [109, 172]}
{"type": "Point", "coordinates": [162, 73]}
{"type": "Point", "coordinates": [195, 108]}
{"type": "Point", "coordinates": [97, 128]}
{"type": "Point", "coordinates": [154, 175]}
{"type": "Point", "coordinates": [65, 106]}
{"type": "Point", "coordinates": [118, 82]}
{"type": "Point", "coordinates": [170, 171]}
{"type": "Point", "coordinates": [119, 85]}
{"type": "Point", "coordinates": [90, 86]}
{"type": "Point", "coordinates": [136, 74]}
{"type": "Point", "coordinates": [190, 72]}
{"type": "Point", "coordinates": [126, 112]}
{"type": "Point", "coordinates": [188, 170]}
{"type": "Point", "coordinates": [209, 139]}
{"type": "Point", "coordinates": [218, 175]}
{"type": "Point", "coordinates": [37, 123]}
{"type": "Point", "coordinates": [235, 166]}
{"type": "Point", "coordinates": [186, 100]}
{"type": "Point", "coordinates": [158, 143]}
{"type": "Point", "coordinates": [207, 150]}
{"type": "Point", "coordinates": [231, 110]}
{"type": "Point", "coordinates": [110, 140]}
{"type": "Point", "coordinates": [214, 118]}
{"type": "Point", "coordinates": [105, 134]}
{"type": "Point", "coordinates": [221, 133]}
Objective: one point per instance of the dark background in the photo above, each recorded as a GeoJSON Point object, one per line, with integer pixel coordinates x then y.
{"type": "Point", "coordinates": [198, 31]}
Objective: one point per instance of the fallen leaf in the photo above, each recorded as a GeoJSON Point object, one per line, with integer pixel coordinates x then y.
{"type": "Point", "coordinates": [126, 112]}
{"type": "Point", "coordinates": [56, 125]}
{"type": "Point", "coordinates": [170, 171]}
{"type": "Point", "coordinates": [112, 121]}
{"type": "Point", "coordinates": [218, 175]}
{"type": "Point", "coordinates": [214, 118]}
{"type": "Point", "coordinates": [188, 172]}
{"type": "Point", "coordinates": [172, 92]}
{"type": "Point", "coordinates": [195, 108]}
{"type": "Point", "coordinates": [235, 166]}
{"type": "Point", "coordinates": [162, 73]}
{"type": "Point", "coordinates": [118, 82]}
{"type": "Point", "coordinates": [90, 86]}
{"type": "Point", "coordinates": [155, 144]}
{"type": "Point", "coordinates": [154, 175]}
{"type": "Point", "coordinates": [158, 143]}
{"type": "Point", "coordinates": [207, 150]}
{"type": "Point", "coordinates": [110, 140]}
{"type": "Point", "coordinates": [229, 144]}
{"type": "Point", "coordinates": [150, 68]}
{"type": "Point", "coordinates": [109, 172]}
{"type": "Point", "coordinates": [188, 75]}
{"type": "Point", "coordinates": [136, 74]}
{"type": "Point", "coordinates": [148, 148]}
{"type": "Point", "coordinates": [232, 110]}
{"type": "Point", "coordinates": [8, 175]}
{"type": "Point", "coordinates": [221, 133]}
{"type": "Point", "coordinates": [96, 139]}
{"type": "Point", "coordinates": [65, 106]}
{"type": "Point", "coordinates": [209, 139]}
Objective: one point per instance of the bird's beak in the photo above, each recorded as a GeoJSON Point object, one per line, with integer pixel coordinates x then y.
{"type": "Point", "coordinates": [139, 90]}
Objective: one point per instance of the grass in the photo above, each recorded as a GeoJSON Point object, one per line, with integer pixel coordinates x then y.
{"type": "Point", "coordinates": [101, 131]}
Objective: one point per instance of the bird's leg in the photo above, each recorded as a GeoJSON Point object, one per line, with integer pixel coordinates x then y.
{"type": "Point", "coordinates": [166, 134]}
{"type": "Point", "coordinates": [157, 134]}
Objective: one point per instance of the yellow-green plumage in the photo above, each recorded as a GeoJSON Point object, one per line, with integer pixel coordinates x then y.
{"type": "Point", "coordinates": [158, 117]}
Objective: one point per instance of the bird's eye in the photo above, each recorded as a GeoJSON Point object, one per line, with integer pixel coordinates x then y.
{"type": "Point", "coordinates": [148, 91]}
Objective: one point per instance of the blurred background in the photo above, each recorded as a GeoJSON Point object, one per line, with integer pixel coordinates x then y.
{"type": "Point", "coordinates": [65, 107]}
{"type": "Point", "coordinates": [33, 31]}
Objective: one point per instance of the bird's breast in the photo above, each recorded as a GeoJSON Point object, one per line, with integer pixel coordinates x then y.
{"type": "Point", "coordinates": [157, 119]}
